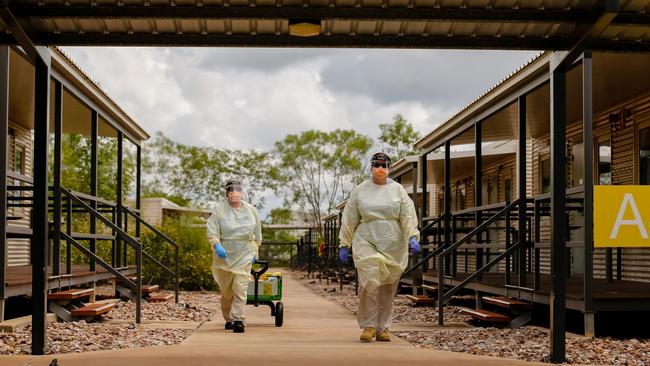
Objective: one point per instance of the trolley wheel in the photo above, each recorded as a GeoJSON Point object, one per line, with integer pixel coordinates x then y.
{"type": "Point", "coordinates": [279, 314]}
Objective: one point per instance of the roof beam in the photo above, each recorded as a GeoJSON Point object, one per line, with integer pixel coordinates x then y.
{"type": "Point", "coordinates": [300, 12]}
{"type": "Point", "coordinates": [586, 34]}
{"type": "Point", "coordinates": [270, 40]}
{"type": "Point", "coordinates": [19, 34]}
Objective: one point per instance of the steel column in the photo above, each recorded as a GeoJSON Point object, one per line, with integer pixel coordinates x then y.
{"type": "Point", "coordinates": [138, 188]}
{"type": "Point", "coordinates": [94, 127]}
{"type": "Point", "coordinates": [56, 169]}
{"type": "Point", "coordinates": [39, 244]}
{"type": "Point", "coordinates": [478, 186]}
{"type": "Point", "coordinates": [423, 183]}
{"type": "Point", "coordinates": [118, 208]}
{"type": "Point", "coordinates": [521, 184]}
{"type": "Point", "coordinates": [558, 214]}
{"type": "Point", "coordinates": [4, 131]}
{"type": "Point", "coordinates": [447, 236]}
{"type": "Point", "coordinates": [588, 140]}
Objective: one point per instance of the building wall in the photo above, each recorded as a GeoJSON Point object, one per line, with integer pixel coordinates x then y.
{"type": "Point", "coordinates": [21, 139]}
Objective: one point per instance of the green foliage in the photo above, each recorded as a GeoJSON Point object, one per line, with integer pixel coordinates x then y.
{"type": "Point", "coordinates": [278, 255]}
{"type": "Point", "coordinates": [318, 168]}
{"type": "Point", "coordinates": [195, 256]}
{"type": "Point", "coordinates": [198, 174]}
{"type": "Point", "coordinates": [398, 137]}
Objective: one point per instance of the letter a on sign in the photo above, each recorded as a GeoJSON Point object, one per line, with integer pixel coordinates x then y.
{"type": "Point", "coordinates": [621, 215]}
{"type": "Point", "coordinates": [628, 199]}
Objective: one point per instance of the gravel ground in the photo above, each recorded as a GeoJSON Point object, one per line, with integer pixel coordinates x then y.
{"type": "Point", "coordinates": [192, 306]}
{"type": "Point", "coordinates": [84, 337]}
{"type": "Point", "coordinates": [104, 335]}
{"type": "Point", "coordinates": [526, 343]}
{"type": "Point", "coordinates": [532, 344]}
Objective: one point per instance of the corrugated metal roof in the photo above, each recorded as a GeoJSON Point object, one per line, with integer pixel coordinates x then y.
{"type": "Point", "coordinates": [513, 24]}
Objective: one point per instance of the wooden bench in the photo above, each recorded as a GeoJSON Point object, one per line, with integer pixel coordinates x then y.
{"type": "Point", "coordinates": [71, 294]}
{"type": "Point", "coordinates": [487, 316]}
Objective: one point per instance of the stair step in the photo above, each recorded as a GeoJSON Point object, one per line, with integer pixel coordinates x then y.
{"type": "Point", "coordinates": [149, 288]}
{"type": "Point", "coordinates": [92, 310]}
{"type": "Point", "coordinates": [72, 294]}
{"type": "Point", "coordinates": [486, 315]}
{"type": "Point", "coordinates": [159, 297]}
{"type": "Point", "coordinates": [421, 299]}
{"type": "Point", "coordinates": [508, 303]}
{"type": "Point", "coordinates": [430, 288]}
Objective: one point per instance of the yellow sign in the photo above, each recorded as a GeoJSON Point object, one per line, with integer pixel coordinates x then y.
{"type": "Point", "coordinates": [621, 216]}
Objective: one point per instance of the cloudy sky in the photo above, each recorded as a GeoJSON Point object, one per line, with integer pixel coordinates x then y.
{"type": "Point", "coordinates": [250, 98]}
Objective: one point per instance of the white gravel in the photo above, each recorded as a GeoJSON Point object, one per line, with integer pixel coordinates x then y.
{"type": "Point", "coordinates": [192, 306]}
{"type": "Point", "coordinates": [83, 337]}
{"type": "Point", "coordinates": [526, 343]}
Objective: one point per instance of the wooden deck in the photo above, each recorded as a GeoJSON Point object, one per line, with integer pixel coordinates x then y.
{"type": "Point", "coordinates": [19, 278]}
{"type": "Point", "coordinates": [607, 296]}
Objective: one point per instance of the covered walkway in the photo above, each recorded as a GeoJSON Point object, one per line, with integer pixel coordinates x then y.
{"type": "Point", "coordinates": [315, 332]}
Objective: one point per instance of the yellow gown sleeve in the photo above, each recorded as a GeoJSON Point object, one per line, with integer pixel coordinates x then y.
{"type": "Point", "coordinates": [407, 215]}
{"type": "Point", "coordinates": [350, 219]}
{"type": "Point", "coordinates": [214, 229]}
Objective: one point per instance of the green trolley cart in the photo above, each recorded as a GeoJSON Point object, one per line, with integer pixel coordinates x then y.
{"type": "Point", "coordinates": [266, 289]}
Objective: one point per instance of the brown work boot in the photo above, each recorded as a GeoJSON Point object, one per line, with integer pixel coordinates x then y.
{"type": "Point", "coordinates": [384, 336]}
{"type": "Point", "coordinates": [368, 334]}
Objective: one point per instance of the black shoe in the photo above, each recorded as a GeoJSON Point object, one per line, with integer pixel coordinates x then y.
{"type": "Point", "coordinates": [228, 325]}
{"type": "Point", "coordinates": [238, 326]}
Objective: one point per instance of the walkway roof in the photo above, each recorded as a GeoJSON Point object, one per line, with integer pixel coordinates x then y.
{"type": "Point", "coordinates": [467, 24]}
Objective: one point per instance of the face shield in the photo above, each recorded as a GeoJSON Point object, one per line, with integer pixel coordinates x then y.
{"type": "Point", "coordinates": [380, 166]}
{"type": "Point", "coordinates": [235, 191]}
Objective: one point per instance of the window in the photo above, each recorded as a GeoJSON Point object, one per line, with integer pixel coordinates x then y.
{"type": "Point", "coordinates": [508, 187]}
{"type": "Point", "coordinates": [644, 156]}
{"type": "Point", "coordinates": [545, 173]}
{"type": "Point", "coordinates": [604, 163]}
{"type": "Point", "coordinates": [19, 159]}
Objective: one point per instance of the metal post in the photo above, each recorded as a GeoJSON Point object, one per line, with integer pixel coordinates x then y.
{"type": "Point", "coordinates": [588, 139]}
{"type": "Point", "coordinates": [118, 204]}
{"type": "Point", "coordinates": [478, 187]}
{"type": "Point", "coordinates": [423, 183]}
{"type": "Point", "coordinates": [447, 238]}
{"type": "Point", "coordinates": [558, 214]}
{"type": "Point", "coordinates": [56, 215]}
{"type": "Point", "coordinates": [416, 276]}
{"type": "Point", "coordinates": [522, 192]}
{"type": "Point", "coordinates": [39, 212]}
{"type": "Point", "coordinates": [68, 230]}
{"type": "Point", "coordinates": [94, 127]}
{"type": "Point", "coordinates": [447, 199]}
{"type": "Point", "coordinates": [4, 131]}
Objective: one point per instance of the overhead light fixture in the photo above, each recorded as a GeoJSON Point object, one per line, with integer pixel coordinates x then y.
{"type": "Point", "coordinates": [304, 27]}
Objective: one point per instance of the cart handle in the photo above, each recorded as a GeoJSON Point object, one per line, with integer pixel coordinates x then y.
{"type": "Point", "coordinates": [256, 276]}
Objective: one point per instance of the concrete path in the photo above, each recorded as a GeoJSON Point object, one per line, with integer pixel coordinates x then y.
{"type": "Point", "coordinates": [315, 332]}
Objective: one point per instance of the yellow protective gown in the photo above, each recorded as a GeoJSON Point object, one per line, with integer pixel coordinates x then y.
{"type": "Point", "coordinates": [240, 233]}
{"type": "Point", "coordinates": [378, 221]}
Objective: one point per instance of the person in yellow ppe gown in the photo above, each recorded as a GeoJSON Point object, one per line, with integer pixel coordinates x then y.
{"type": "Point", "coordinates": [379, 223]}
{"type": "Point", "coordinates": [235, 233]}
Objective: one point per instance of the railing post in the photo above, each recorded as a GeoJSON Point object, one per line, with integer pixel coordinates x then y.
{"type": "Point", "coordinates": [178, 273]}
{"type": "Point", "coordinates": [138, 284]}
{"type": "Point", "coordinates": [56, 214]}
{"type": "Point", "coordinates": [94, 123]}
{"type": "Point", "coordinates": [4, 131]}
{"type": "Point", "coordinates": [521, 184]}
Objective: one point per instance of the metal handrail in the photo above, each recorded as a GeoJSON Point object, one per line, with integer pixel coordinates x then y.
{"type": "Point", "coordinates": [176, 273]}
{"type": "Point", "coordinates": [448, 250]}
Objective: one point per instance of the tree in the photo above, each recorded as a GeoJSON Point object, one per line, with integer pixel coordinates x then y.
{"type": "Point", "coordinates": [193, 174]}
{"type": "Point", "coordinates": [318, 167]}
{"type": "Point", "coordinates": [398, 138]}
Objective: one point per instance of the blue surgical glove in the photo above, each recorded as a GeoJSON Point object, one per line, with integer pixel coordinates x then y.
{"type": "Point", "coordinates": [344, 255]}
{"type": "Point", "coordinates": [414, 245]}
{"type": "Point", "coordinates": [219, 249]}
{"type": "Point", "coordinates": [254, 259]}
